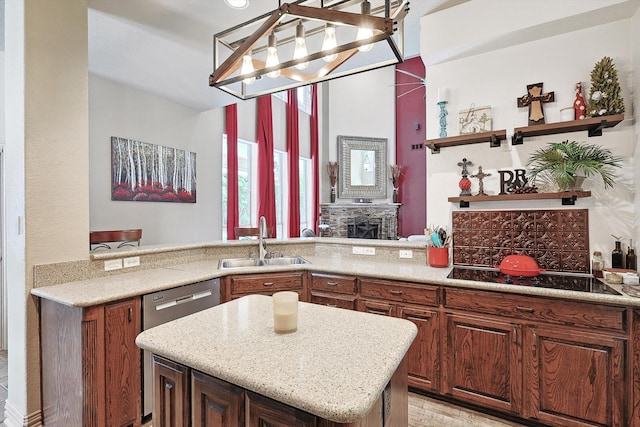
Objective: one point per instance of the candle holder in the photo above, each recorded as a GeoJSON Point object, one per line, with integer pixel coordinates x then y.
{"type": "Point", "coordinates": [443, 118]}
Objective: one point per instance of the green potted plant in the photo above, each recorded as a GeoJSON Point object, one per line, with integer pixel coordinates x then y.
{"type": "Point", "coordinates": [566, 164]}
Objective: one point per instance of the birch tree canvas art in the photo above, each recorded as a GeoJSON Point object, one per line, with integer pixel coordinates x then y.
{"type": "Point", "coordinates": [144, 172]}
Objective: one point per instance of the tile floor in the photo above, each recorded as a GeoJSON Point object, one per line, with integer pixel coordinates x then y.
{"type": "Point", "coordinates": [423, 412]}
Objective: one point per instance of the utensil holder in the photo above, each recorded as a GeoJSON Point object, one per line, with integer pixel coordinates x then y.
{"type": "Point", "coordinates": [438, 257]}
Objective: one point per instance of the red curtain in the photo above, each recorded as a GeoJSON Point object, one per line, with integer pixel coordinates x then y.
{"type": "Point", "coordinates": [232, 170]}
{"type": "Point", "coordinates": [315, 159]}
{"type": "Point", "coordinates": [293, 151]}
{"type": "Point", "coordinates": [266, 186]}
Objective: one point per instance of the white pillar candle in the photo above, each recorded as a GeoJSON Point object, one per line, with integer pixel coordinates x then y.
{"type": "Point", "coordinates": [442, 95]}
{"type": "Point", "coordinates": [285, 312]}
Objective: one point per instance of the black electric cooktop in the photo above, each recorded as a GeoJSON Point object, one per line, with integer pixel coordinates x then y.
{"type": "Point", "coordinates": [563, 281]}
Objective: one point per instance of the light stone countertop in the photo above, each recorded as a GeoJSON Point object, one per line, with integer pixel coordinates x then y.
{"type": "Point", "coordinates": [90, 292]}
{"type": "Point", "coordinates": [334, 366]}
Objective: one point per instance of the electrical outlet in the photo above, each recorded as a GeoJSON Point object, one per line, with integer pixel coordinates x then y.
{"type": "Point", "coordinates": [113, 264]}
{"type": "Point", "coordinates": [357, 250]}
{"type": "Point", "coordinates": [369, 251]}
{"type": "Point", "coordinates": [132, 261]}
{"type": "Point", "coordinates": [406, 254]}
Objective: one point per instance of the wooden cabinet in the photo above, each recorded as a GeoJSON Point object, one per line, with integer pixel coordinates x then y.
{"type": "Point", "coordinates": [122, 323]}
{"type": "Point", "coordinates": [333, 290]}
{"type": "Point", "coordinates": [216, 403]}
{"type": "Point", "coordinates": [556, 361]}
{"type": "Point", "coordinates": [482, 362]}
{"type": "Point", "coordinates": [419, 304]}
{"type": "Point", "coordinates": [574, 378]}
{"type": "Point", "coordinates": [170, 393]}
{"type": "Point", "coordinates": [91, 351]}
{"type": "Point", "coordinates": [268, 412]}
{"type": "Point", "coordinates": [237, 286]}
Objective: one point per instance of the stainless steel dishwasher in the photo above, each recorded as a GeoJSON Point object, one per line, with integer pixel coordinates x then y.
{"type": "Point", "coordinates": [164, 306]}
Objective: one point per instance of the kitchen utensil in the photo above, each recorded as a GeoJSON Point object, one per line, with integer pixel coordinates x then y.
{"type": "Point", "coordinates": [442, 235]}
{"type": "Point", "coordinates": [436, 240]}
{"type": "Point", "coordinates": [519, 265]}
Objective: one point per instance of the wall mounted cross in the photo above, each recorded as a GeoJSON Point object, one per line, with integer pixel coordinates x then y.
{"type": "Point", "coordinates": [534, 99]}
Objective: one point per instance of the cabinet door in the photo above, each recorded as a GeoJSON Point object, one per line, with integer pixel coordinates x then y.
{"type": "Point", "coordinates": [423, 355]}
{"type": "Point", "coordinates": [267, 412]}
{"type": "Point", "coordinates": [215, 403]}
{"type": "Point", "coordinates": [482, 362]}
{"type": "Point", "coordinates": [122, 324]}
{"type": "Point", "coordinates": [170, 393]}
{"type": "Point", "coordinates": [574, 378]}
{"type": "Point", "coordinates": [377, 307]}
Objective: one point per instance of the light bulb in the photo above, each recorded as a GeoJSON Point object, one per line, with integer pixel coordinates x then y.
{"type": "Point", "coordinates": [365, 32]}
{"type": "Point", "coordinates": [272, 56]}
{"type": "Point", "coordinates": [300, 49]}
{"type": "Point", "coordinates": [247, 68]}
{"type": "Point", "coordinates": [330, 42]}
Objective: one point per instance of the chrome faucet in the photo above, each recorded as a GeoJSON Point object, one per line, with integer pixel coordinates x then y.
{"type": "Point", "coordinates": [262, 232]}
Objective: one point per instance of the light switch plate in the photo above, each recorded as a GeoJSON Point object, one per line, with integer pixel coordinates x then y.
{"type": "Point", "coordinates": [357, 250]}
{"type": "Point", "coordinates": [132, 261]}
{"type": "Point", "coordinates": [406, 254]}
{"type": "Point", "coordinates": [113, 264]}
{"type": "Point", "coordinates": [369, 250]}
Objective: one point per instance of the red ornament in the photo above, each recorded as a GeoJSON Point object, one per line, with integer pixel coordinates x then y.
{"type": "Point", "coordinates": [465, 186]}
{"type": "Point", "coordinates": [579, 105]}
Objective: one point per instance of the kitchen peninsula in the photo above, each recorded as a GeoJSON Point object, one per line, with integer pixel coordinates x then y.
{"type": "Point", "coordinates": [344, 367]}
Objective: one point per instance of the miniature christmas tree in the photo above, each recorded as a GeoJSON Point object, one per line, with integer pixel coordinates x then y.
{"type": "Point", "coordinates": [605, 98]}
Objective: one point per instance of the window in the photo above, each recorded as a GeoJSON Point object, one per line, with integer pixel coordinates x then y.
{"type": "Point", "coordinates": [281, 182]}
{"type": "Point", "coordinates": [304, 98]}
{"type": "Point", "coordinates": [306, 194]}
{"type": "Point", "coordinates": [247, 184]}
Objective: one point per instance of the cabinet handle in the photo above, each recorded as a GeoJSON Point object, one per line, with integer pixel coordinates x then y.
{"type": "Point", "coordinates": [394, 292]}
{"type": "Point", "coordinates": [332, 283]}
{"type": "Point", "coordinates": [168, 386]}
{"type": "Point", "coordinates": [130, 314]}
{"type": "Point", "coordinates": [332, 305]}
{"type": "Point", "coordinates": [525, 309]}
{"type": "Point", "coordinates": [267, 283]}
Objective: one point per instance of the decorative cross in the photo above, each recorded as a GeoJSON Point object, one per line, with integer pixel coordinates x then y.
{"type": "Point", "coordinates": [464, 163]}
{"type": "Point", "coordinates": [534, 99]}
{"type": "Point", "coordinates": [481, 175]}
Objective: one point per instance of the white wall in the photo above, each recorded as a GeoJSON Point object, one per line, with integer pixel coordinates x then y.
{"type": "Point", "coordinates": [117, 110]}
{"type": "Point", "coordinates": [361, 105]}
{"type": "Point", "coordinates": [497, 78]}
{"type": "Point", "coordinates": [635, 35]}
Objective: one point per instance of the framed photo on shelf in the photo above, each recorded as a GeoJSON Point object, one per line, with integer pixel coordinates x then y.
{"type": "Point", "coordinates": [475, 120]}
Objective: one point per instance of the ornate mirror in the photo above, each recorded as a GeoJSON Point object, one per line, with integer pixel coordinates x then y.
{"type": "Point", "coordinates": [363, 167]}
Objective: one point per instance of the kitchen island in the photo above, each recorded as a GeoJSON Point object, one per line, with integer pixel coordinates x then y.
{"type": "Point", "coordinates": [340, 368]}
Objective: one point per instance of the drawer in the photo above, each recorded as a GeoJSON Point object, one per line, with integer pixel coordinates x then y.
{"type": "Point", "coordinates": [331, 283]}
{"type": "Point", "coordinates": [265, 283]}
{"type": "Point", "coordinates": [399, 291]}
{"type": "Point", "coordinates": [548, 310]}
{"type": "Point", "coordinates": [336, 300]}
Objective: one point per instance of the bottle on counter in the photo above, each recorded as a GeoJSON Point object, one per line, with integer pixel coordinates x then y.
{"type": "Point", "coordinates": [631, 257]}
{"type": "Point", "coordinates": [597, 264]}
{"type": "Point", "coordinates": [617, 256]}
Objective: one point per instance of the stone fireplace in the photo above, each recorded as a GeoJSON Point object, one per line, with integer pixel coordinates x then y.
{"type": "Point", "coordinates": [360, 220]}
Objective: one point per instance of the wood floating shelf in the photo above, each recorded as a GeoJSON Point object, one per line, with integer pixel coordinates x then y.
{"type": "Point", "coordinates": [567, 197]}
{"type": "Point", "coordinates": [592, 125]}
{"type": "Point", "coordinates": [492, 137]}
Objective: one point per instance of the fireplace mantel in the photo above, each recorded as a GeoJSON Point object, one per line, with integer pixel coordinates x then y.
{"type": "Point", "coordinates": [338, 215]}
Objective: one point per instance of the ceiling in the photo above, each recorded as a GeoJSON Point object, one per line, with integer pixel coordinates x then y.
{"type": "Point", "coordinates": [164, 47]}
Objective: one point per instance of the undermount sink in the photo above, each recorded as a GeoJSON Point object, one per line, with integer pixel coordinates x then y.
{"type": "Point", "coordinates": [253, 262]}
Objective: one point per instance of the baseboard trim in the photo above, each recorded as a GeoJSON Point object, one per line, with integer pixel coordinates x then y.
{"type": "Point", "coordinates": [15, 418]}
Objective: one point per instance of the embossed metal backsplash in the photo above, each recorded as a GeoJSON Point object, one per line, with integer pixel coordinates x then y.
{"type": "Point", "coordinates": [557, 239]}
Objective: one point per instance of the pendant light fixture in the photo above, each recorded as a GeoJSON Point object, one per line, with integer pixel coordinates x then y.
{"type": "Point", "coordinates": [300, 49]}
{"type": "Point", "coordinates": [247, 68]}
{"type": "Point", "coordinates": [319, 43]}
{"type": "Point", "coordinates": [365, 32]}
{"type": "Point", "coordinates": [329, 42]}
{"type": "Point", "coordinates": [272, 56]}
